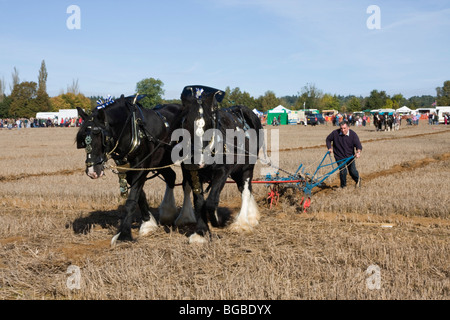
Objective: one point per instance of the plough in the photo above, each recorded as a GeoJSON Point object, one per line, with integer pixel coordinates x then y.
{"type": "Point", "coordinates": [304, 182]}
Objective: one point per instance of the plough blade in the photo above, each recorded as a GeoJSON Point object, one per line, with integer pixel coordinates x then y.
{"type": "Point", "coordinates": [305, 203]}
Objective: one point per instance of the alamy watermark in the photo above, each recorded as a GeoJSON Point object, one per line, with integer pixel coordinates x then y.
{"type": "Point", "coordinates": [373, 282]}
{"type": "Point", "coordinates": [74, 280]}
{"type": "Point", "coordinates": [237, 146]}
{"type": "Point", "coordinates": [374, 21]}
{"type": "Point", "coordinates": [73, 22]}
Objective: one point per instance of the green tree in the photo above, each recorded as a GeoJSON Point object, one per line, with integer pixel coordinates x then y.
{"type": "Point", "coordinates": [329, 102]}
{"type": "Point", "coordinates": [42, 102]}
{"type": "Point", "coordinates": [175, 101]}
{"type": "Point", "coordinates": [420, 102]}
{"type": "Point", "coordinates": [42, 78]}
{"type": "Point", "coordinates": [268, 101]}
{"type": "Point", "coordinates": [153, 88]}
{"type": "Point", "coordinates": [310, 96]}
{"type": "Point", "coordinates": [227, 101]}
{"type": "Point", "coordinates": [443, 94]}
{"type": "Point", "coordinates": [398, 100]}
{"type": "Point", "coordinates": [22, 100]}
{"type": "Point", "coordinates": [389, 104]}
{"type": "Point", "coordinates": [354, 105]}
{"type": "Point", "coordinates": [289, 101]}
{"type": "Point", "coordinates": [59, 103]}
{"type": "Point", "coordinates": [237, 97]}
{"type": "Point", "coordinates": [5, 106]}
{"type": "Point", "coordinates": [70, 100]}
{"type": "Point", "coordinates": [376, 100]}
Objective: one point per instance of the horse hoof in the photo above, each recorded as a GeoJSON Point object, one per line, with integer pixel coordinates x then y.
{"type": "Point", "coordinates": [148, 227]}
{"type": "Point", "coordinates": [241, 227]}
{"type": "Point", "coordinates": [196, 238]}
{"type": "Point", "coordinates": [114, 240]}
{"type": "Point", "coordinates": [253, 222]}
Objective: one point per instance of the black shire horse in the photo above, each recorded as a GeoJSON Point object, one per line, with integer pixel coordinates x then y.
{"type": "Point", "coordinates": [212, 159]}
{"type": "Point", "coordinates": [389, 122]}
{"type": "Point", "coordinates": [379, 121]}
{"type": "Point", "coordinates": [383, 122]}
{"type": "Point", "coordinates": [137, 138]}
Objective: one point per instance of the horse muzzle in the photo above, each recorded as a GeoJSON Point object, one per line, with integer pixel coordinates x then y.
{"type": "Point", "coordinates": [95, 171]}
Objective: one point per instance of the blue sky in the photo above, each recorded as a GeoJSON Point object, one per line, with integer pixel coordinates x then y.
{"type": "Point", "coordinates": [256, 45]}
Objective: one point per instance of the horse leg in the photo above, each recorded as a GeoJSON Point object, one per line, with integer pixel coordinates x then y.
{"type": "Point", "coordinates": [187, 215]}
{"type": "Point", "coordinates": [249, 216]}
{"type": "Point", "coordinates": [196, 186]}
{"type": "Point", "coordinates": [149, 223]}
{"type": "Point", "coordinates": [212, 202]}
{"type": "Point", "coordinates": [137, 183]}
{"type": "Point", "coordinates": [200, 215]}
{"type": "Point", "coordinates": [168, 210]}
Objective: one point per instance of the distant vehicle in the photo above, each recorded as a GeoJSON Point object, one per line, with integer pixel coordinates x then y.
{"type": "Point", "coordinates": [425, 110]}
{"type": "Point", "coordinates": [441, 110]}
{"type": "Point", "coordinates": [320, 118]}
{"type": "Point", "coordinates": [300, 115]}
{"type": "Point", "coordinates": [311, 119]}
{"type": "Point", "coordinates": [329, 113]}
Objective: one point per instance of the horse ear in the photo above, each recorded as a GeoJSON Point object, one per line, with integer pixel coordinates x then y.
{"type": "Point", "coordinates": [101, 115]}
{"type": "Point", "coordinates": [82, 114]}
{"type": "Point", "coordinates": [219, 95]}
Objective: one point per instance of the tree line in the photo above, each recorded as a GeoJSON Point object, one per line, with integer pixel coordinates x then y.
{"type": "Point", "coordinates": [29, 97]}
{"type": "Point", "coordinates": [310, 97]}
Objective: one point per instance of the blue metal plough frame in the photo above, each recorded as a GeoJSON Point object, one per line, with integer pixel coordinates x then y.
{"type": "Point", "coordinates": [316, 180]}
{"type": "Point", "coordinates": [302, 181]}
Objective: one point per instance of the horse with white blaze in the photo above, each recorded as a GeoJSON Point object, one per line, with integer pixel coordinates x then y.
{"type": "Point", "coordinates": [220, 143]}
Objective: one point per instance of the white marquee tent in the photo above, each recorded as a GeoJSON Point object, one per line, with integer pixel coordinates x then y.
{"type": "Point", "coordinates": [279, 109]}
{"type": "Point", "coordinates": [404, 110]}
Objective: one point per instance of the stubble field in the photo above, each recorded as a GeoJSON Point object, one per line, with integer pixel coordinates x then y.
{"type": "Point", "coordinates": [52, 217]}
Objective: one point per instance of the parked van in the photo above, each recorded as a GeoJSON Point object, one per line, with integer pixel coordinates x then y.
{"type": "Point", "coordinates": [441, 111]}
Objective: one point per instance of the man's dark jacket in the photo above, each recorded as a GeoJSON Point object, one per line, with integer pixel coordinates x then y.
{"type": "Point", "coordinates": [343, 146]}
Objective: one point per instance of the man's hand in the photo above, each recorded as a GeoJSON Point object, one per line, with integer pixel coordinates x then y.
{"type": "Point", "coordinates": [358, 154]}
{"type": "Point", "coordinates": [330, 150]}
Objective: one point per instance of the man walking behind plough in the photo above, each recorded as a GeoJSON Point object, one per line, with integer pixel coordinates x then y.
{"type": "Point", "coordinates": [344, 142]}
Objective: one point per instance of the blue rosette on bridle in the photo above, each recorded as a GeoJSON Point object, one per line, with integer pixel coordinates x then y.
{"type": "Point", "coordinates": [103, 104]}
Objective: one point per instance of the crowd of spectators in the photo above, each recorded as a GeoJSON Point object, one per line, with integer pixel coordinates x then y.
{"type": "Point", "coordinates": [352, 119]}
{"type": "Point", "coordinates": [20, 123]}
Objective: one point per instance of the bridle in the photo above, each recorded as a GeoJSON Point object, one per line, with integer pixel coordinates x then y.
{"type": "Point", "coordinates": [111, 146]}
{"type": "Point", "coordinates": [199, 124]}
{"type": "Point", "coordinates": [106, 142]}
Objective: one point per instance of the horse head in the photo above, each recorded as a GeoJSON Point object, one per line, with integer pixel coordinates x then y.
{"type": "Point", "coordinates": [93, 136]}
{"type": "Point", "coordinates": [200, 112]}
{"type": "Point", "coordinates": [201, 102]}
{"type": "Point", "coordinates": [99, 131]}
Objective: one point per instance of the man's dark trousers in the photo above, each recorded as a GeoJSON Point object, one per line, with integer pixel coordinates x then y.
{"type": "Point", "coordinates": [353, 172]}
